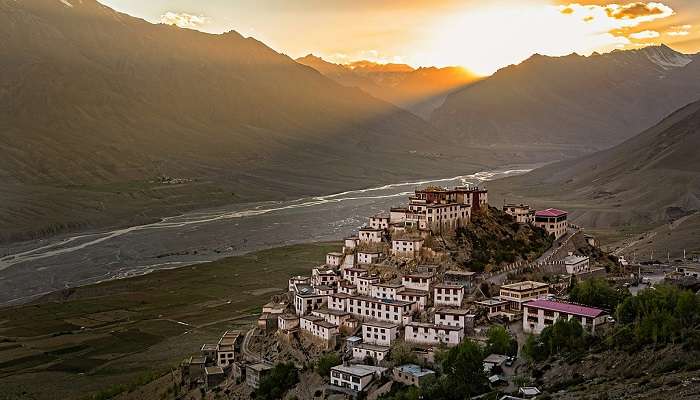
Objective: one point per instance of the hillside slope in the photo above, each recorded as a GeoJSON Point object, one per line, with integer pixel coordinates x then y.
{"type": "Point", "coordinates": [593, 102]}
{"type": "Point", "coordinates": [650, 179]}
{"type": "Point", "coordinates": [419, 90]}
{"type": "Point", "coordinates": [95, 105]}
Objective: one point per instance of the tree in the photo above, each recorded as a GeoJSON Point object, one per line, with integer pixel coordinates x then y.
{"type": "Point", "coordinates": [665, 314]}
{"type": "Point", "coordinates": [401, 353]}
{"type": "Point", "coordinates": [499, 341]}
{"type": "Point", "coordinates": [531, 349]}
{"type": "Point", "coordinates": [463, 369]}
{"type": "Point", "coordinates": [597, 292]}
{"type": "Point", "coordinates": [326, 362]}
{"type": "Point", "coordinates": [281, 378]}
{"type": "Point", "coordinates": [563, 336]}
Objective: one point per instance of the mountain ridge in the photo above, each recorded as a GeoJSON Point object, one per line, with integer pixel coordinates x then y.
{"type": "Point", "coordinates": [596, 101]}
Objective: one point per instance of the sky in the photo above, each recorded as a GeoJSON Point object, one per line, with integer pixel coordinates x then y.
{"type": "Point", "coordinates": [481, 36]}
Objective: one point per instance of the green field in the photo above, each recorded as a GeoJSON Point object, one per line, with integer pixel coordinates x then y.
{"type": "Point", "coordinates": [90, 340]}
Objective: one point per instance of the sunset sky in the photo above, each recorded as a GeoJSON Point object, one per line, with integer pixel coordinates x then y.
{"type": "Point", "coordinates": [479, 35]}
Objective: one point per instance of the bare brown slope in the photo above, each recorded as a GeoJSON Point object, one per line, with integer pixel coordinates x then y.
{"type": "Point", "coordinates": [593, 102]}
{"type": "Point", "coordinates": [95, 104]}
{"type": "Point", "coordinates": [650, 179]}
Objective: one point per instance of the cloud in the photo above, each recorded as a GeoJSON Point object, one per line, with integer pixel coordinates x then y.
{"type": "Point", "coordinates": [639, 10]}
{"type": "Point", "coordinates": [615, 16]}
{"type": "Point", "coordinates": [645, 35]}
{"type": "Point", "coordinates": [679, 30]}
{"type": "Point", "coordinates": [183, 20]}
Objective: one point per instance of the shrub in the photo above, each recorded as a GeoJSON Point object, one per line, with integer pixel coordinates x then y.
{"type": "Point", "coordinates": [326, 362]}
{"type": "Point", "coordinates": [281, 378]}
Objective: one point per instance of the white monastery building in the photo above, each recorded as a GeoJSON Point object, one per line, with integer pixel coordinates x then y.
{"type": "Point", "coordinates": [379, 333]}
{"type": "Point", "coordinates": [522, 213]}
{"type": "Point", "coordinates": [431, 334]}
{"type": "Point", "coordinates": [576, 264]}
{"type": "Point", "coordinates": [448, 295]}
{"type": "Point", "coordinates": [418, 281]}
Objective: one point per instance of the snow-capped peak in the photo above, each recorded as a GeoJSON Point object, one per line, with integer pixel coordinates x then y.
{"type": "Point", "coordinates": [667, 58]}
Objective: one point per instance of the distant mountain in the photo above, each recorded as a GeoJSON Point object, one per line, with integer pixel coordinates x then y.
{"type": "Point", "coordinates": [593, 102]}
{"type": "Point", "coordinates": [419, 90]}
{"type": "Point", "coordinates": [648, 180]}
{"type": "Point", "coordinates": [95, 105]}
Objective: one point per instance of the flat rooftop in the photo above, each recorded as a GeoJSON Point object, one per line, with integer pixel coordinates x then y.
{"type": "Point", "coordinates": [574, 259]}
{"type": "Point", "coordinates": [393, 285]}
{"type": "Point", "coordinates": [524, 285]}
{"type": "Point", "coordinates": [460, 273]}
{"type": "Point", "coordinates": [447, 286]}
{"type": "Point", "coordinates": [260, 367]}
{"type": "Point", "coordinates": [434, 326]}
{"type": "Point", "coordinates": [491, 302]}
{"type": "Point", "coordinates": [420, 275]}
{"type": "Point", "coordinates": [412, 292]}
{"type": "Point", "coordinates": [331, 312]}
{"type": "Point", "coordinates": [415, 370]}
{"type": "Point", "coordinates": [452, 311]}
{"type": "Point", "coordinates": [383, 301]}
{"type": "Point", "coordinates": [213, 371]}
{"type": "Point", "coordinates": [372, 347]}
{"type": "Point", "coordinates": [380, 324]}
{"type": "Point", "coordinates": [496, 359]}
{"type": "Point", "coordinates": [359, 370]}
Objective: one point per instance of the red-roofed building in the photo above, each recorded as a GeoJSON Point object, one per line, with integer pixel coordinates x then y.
{"type": "Point", "coordinates": [553, 221]}
{"type": "Point", "coordinates": [539, 314]}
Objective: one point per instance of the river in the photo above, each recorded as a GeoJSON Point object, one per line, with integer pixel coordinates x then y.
{"type": "Point", "coordinates": [34, 268]}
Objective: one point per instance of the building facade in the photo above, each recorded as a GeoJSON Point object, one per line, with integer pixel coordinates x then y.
{"type": "Point", "coordinates": [379, 333]}
{"type": "Point", "coordinates": [516, 294]}
{"type": "Point", "coordinates": [522, 213]}
{"type": "Point", "coordinates": [448, 295]}
{"type": "Point", "coordinates": [539, 314]}
{"type": "Point", "coordinates": [431, 334]}
{"type": "Point", "coordinates": [553, 221]}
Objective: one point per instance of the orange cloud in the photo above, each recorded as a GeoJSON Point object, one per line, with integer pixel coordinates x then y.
{"type": "Point", "coordinates": [638, 10]}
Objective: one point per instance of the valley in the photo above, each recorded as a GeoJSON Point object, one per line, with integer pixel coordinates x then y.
{"type": "Point", "coordinates": [31, 269]}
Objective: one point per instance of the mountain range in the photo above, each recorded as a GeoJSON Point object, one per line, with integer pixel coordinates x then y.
{"type": "Point", "coordinates": [589, 102]}
{"type": "Point", "coordinates": [419, 90]}
{"type": "Point", "coordinates": [95, 104]}
{"type": "Point", "coordinates": [106, 119]}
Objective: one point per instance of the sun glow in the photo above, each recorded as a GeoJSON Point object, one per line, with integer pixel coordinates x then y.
{"type": "Point", "coordinates": [489, 38]}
